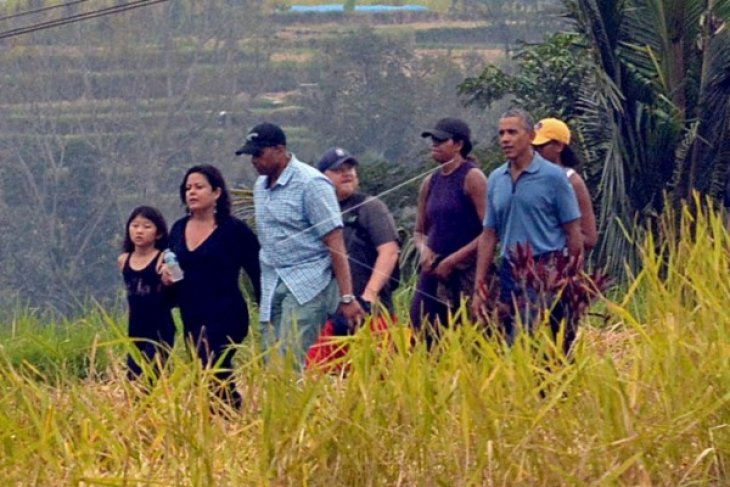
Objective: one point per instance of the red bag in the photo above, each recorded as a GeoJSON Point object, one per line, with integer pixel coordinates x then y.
{"type": "Point", "coordinates": [328, 353]}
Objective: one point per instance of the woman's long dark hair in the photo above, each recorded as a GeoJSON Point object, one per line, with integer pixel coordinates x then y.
{"type": "Point", "coordinates": [569, 158]}
{"type": "Point", "coordinates": [155, 216]}
{"type": "Point", "coordinates": [215, 178]}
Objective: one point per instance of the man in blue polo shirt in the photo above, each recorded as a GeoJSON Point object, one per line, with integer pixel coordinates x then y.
{"type": "Point", "coordinates": [529, 201]}
{"type": "Point", "coordinates": [299, 227]}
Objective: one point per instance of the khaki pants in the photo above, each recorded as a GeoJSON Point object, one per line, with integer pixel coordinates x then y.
{"type": "Point", "coordinates": [295, 327]}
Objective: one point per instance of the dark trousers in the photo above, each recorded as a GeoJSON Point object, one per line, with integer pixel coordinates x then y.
{"type": "Point", "coordinates": [214, 349]}
{"type": "Point", "coordinates": [426, 305]}
{"type": "Point", "coordinates": [528, 304]}
{"type": "Point", "coordinates": [435, 299]}
{"type": "Point", "coordinates": [155, 350]}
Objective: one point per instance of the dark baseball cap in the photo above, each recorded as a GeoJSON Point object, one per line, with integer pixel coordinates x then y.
{"type": "Point", "coordinates": [451, 128]}
{"type": "Point", "coordinates": [333, 158]}
{"type": "Point", "coordinates": [261, 136]}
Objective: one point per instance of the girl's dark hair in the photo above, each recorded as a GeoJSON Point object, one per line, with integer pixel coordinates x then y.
{"type": "Point", "coordinates": [568, 158]}
{"type": "Point", "coordinates": [153, 215]}
{"type": "Point", "coordinates": [215, 178]}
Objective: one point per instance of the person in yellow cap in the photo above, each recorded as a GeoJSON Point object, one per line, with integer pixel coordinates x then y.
{"type": "Point", "coordinates": [552, 142]}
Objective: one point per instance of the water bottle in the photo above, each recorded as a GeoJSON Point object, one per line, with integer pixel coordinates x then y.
{"type": "Point", "coordinates": [170, 260]}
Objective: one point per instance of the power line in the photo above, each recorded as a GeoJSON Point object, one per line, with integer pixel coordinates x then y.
{"type": "Point", "coordinates": [415, 178]}
{"type": "Point", "coordinates": [79, 17]}
{"type": "Point", "coordinates": [130, 6]}
{"type": "Point", "coordinates": [42, 9]}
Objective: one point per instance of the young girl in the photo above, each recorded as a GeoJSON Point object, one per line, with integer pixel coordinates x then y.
{"type": "Point", "coordinates": [150, 318]}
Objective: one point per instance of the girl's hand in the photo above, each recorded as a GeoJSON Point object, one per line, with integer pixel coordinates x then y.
{"type": "Point", "coordinates": [165, 275]}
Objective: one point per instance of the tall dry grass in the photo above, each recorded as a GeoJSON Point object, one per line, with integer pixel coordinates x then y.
{"type": "Point", "coordinates": [644, 401]}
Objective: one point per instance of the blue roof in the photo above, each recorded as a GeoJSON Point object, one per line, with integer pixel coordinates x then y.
{"type": "Point", "coordinates": [338, 7]}
{"type": "Point", "coordinates": [390, 8]}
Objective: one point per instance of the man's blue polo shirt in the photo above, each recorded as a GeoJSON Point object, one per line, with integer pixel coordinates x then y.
{"type": "Point", "coordinates": [532, 209]}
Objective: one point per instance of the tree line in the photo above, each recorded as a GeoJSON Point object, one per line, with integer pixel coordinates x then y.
{"type": "Point", "coordinates": [105, 115]}
{"type": "Point", "coordinates": [646, 87]}
{"type": "Point", "coordinates": [102, 116]}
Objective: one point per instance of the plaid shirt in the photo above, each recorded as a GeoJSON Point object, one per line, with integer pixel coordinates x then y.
{"type": "Point", "coordinates": [292, 217]}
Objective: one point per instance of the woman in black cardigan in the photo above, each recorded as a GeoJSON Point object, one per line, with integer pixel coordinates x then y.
{"type": "Point", "coordinates": [212, 247]}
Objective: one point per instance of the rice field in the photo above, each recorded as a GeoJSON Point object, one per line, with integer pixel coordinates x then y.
{"type": "Point", "coordinates": [645, 400]}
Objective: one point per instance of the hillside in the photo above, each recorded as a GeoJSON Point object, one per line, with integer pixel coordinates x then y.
{"type": "Point", "coordinates": [103, 115]}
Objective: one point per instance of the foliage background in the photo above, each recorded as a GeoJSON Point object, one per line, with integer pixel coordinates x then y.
{"type": "Point", "coordinates": [105, 115]}
{"type": "Point", "coordinates": [102, 116]}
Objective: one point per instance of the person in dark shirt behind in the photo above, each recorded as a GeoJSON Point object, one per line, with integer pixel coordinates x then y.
{"type": "Point", "coordinates": [371, 241]}
{"type": "Point", "coordinates": [371, 238]}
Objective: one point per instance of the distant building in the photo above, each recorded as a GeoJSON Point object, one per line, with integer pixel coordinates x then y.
{"type": "Point", "coordinates": [338, 7]}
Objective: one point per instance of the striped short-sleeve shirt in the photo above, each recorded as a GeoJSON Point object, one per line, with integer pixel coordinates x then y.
{"type": "Point", "coordinates": [292, 217]}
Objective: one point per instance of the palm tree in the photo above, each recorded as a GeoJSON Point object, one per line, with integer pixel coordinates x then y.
{"type": "Point", "coordinates": [655, 108]}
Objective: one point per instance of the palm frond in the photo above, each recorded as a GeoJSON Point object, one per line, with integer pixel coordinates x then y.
{"type": "Point", "coordinates": [242, 205]}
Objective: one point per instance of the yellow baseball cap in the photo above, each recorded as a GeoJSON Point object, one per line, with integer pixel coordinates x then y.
{"type": "Point", "coordinates": [549, 129]}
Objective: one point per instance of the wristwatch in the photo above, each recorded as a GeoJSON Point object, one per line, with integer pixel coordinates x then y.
{"type": "Point", "coordinates": [347, 298]}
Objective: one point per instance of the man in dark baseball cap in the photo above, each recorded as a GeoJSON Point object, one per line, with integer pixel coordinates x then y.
{"type": "Point", "coordinates": [299, 227]}
{"type": "Point", "coordinates": [262, 136]}
{"type": "Point", "coordinates": [454, 129]}
{"type": "Point", "coordinates": [371, 242]}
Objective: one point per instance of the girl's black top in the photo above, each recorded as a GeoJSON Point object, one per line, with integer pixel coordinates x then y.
{"type": "Point", "coordinates": [149, 302]}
